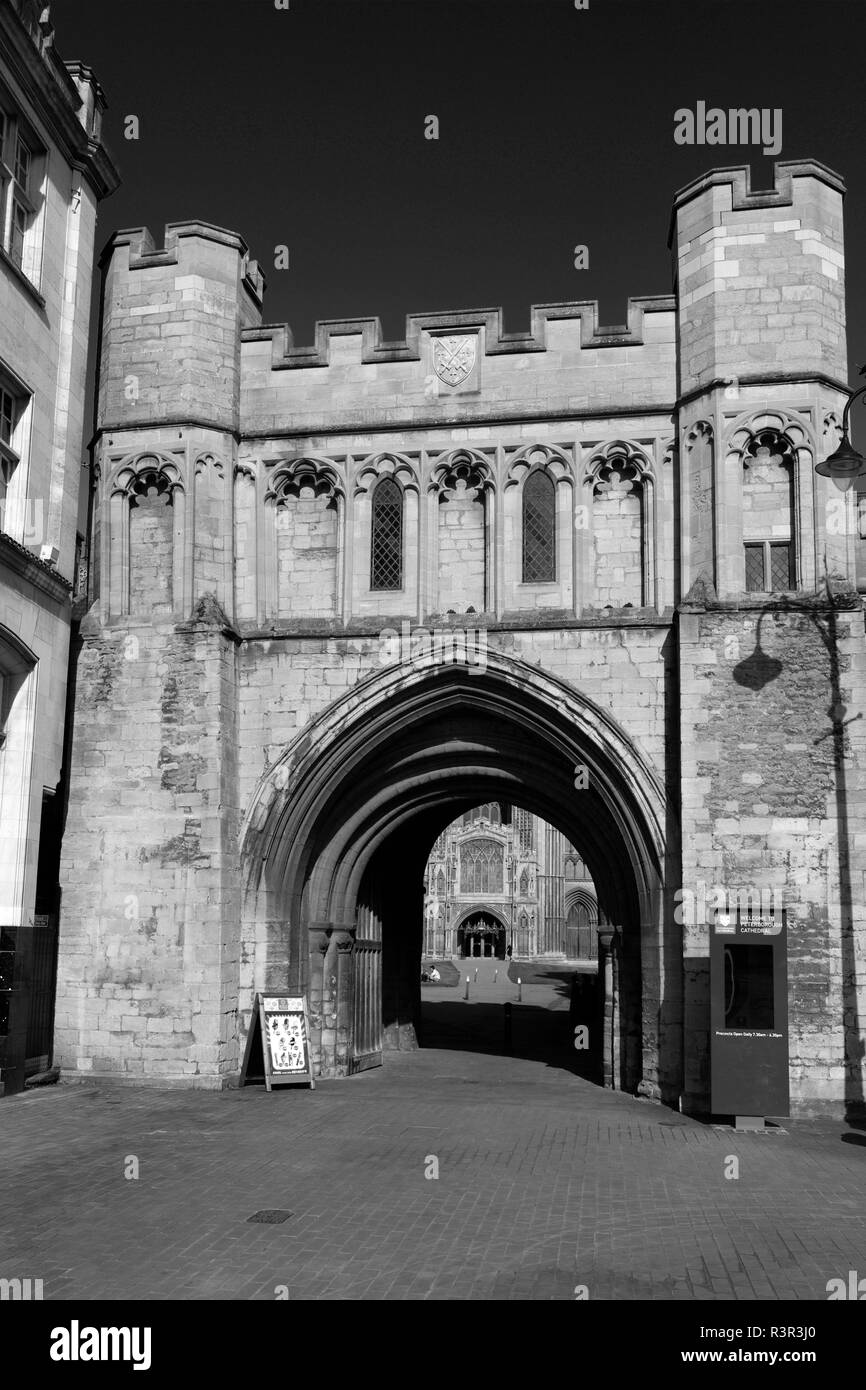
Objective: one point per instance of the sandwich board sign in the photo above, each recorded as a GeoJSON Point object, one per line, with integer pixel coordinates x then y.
{"type": "Point", "coordinates": [278, 1043]}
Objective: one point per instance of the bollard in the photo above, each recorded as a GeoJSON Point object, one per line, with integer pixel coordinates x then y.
{"type": "Point", "coordinates": [507, 1028]}
{"type": "Point", "coordinates": [466, 991]}
{"type": "Point", "coordinates": [519, 989]}
{"type": "Point", "coordinates": [495, 976]}
{"type": "Point", "coordinates": [476, 974]}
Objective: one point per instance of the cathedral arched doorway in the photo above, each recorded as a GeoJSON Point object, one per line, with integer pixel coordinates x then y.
{"type": "Point", "coordinates": [581, 926]}
{"type": "Point", "coordinates": [338, 833]}
{"type": "Point", "coordinates": [482, 933]}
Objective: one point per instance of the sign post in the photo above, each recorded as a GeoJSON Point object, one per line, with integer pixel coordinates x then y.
{"type": "Point", "coordinates": [278, 1043]}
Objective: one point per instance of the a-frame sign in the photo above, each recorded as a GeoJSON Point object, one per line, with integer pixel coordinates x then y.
{"type": "Point", "coordinates": [278, 1043]}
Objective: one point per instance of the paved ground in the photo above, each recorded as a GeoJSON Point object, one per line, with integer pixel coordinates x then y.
{"type": "Point", "coordinates": [545, 1183]}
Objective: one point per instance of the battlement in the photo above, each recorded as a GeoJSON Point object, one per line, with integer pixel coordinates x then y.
{"type": "Point", "coordinates": [738, 177]}
{"type": "Point", "coordinates": [496, 339]}
{"type": "Point", "coordinates": [144, 254]}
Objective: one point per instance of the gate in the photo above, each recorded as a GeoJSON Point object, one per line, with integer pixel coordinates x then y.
{"type": "Point", "coordinates": [43, 980]}
{"type": "Point", "coordinates": [368, 1025]}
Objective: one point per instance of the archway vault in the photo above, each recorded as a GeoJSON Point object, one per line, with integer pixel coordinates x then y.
{"type": "Point", "coordinates": [384, 769]}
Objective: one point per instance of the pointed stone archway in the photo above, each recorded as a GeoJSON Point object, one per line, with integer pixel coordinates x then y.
{"type": "Point", "coordinates": [338, 831]}
{"type": "Point", "coordinates": [484, 927]}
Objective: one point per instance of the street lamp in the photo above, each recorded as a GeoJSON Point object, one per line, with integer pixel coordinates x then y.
{"type": "Point", "coordinates": [845, 465]}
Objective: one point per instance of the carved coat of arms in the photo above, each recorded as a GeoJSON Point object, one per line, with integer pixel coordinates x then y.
{"type": "Point", "coordinates": [454, 358]}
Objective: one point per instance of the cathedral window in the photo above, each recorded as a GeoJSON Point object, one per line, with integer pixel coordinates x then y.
{"type": "Point", "coordinates": [539, 528]}
{"type": "Point", "coordinates": [386, 566]}
{"type": "Point", "coordinates": [481, 867]}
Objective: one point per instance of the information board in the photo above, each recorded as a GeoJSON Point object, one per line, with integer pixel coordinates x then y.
{"type": "Point", "coordinates": [278, 1044]}
{"type": "Point", "coordinates": [749, 1014]}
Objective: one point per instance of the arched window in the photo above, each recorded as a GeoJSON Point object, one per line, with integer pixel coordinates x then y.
{"type": "Point", "coordinates": [769, 469]}
{"type": "Point", "coordinates": [524, 883]}
{"type": "Point", "coordinates": [440, 883]}
{"type": "Point", "coordinates": [386, 561]}
{"type": "Point", "coordinates": [539, 528]}
{"type": "Point", "coordinates": [481, 867]}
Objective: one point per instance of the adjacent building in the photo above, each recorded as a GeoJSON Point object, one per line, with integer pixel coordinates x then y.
{"type": "Point", "coordinates": [54, 169]}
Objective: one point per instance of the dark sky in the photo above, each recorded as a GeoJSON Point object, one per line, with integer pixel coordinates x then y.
{"type": "Point", "coordinates": [306, 127]}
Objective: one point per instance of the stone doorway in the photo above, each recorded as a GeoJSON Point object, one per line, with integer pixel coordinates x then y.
{"type": "Point", "coordinates": [481, 935]}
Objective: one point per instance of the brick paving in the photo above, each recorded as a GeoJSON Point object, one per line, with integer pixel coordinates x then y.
{"type": "Point", "coordinates": [545, 1182]}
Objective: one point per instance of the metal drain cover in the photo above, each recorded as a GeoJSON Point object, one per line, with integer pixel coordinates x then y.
{"type": "Point", "coordinates": [270, 1218]}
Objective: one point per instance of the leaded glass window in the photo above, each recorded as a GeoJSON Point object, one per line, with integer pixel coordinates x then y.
{"type": "Point", "coordinates": [780, 566]}
{"type": "Point", "coordinates": [768, 567]}
{"type": "Point", "coordinates": [481, 867]}
{"type": "Point", "coordinates": [386, 567]}
{"type": "Point", "coordinates": [539, 528]}
{"type": "Point", "coordinates": [754, 568]}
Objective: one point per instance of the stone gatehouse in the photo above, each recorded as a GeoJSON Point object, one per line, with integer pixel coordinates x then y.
{"type": "Point", "coordinates": [629, 604]}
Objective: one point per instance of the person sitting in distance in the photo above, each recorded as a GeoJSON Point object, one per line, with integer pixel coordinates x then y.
{"type": "Point", "coordinates": [434, 974]}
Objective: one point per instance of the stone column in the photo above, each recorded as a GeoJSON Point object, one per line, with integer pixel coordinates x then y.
{"type": "Point", "coordinates": [319, 940]}
{"type": "Point", "coordinates": [608, 1012]}
{"type": "Point", "coordinates": [344, 940]}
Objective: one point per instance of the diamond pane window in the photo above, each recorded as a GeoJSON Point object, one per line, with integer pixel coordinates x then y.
{"type": "Point", "coordinates": [780, 567]}
{"type": "Point", "coordinates": [539, 521]}
{"type": "Point", "coordinates": [754, 569]}
{"type": "Point", "coordinates": [386, 567]}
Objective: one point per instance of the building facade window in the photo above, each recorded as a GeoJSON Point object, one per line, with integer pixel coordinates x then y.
{"type": "Point", "coordinates": [481, 867]}
{"type": "Point", "coordinates": [539, 528]}
{"type": "Point", "coordinates": [768, 567]}
{"type": "Point", "coordinates": [769, 471]}
{"type": "Point", "coordinates": [22, 165]}
{"type": "Point", "coordinates": [12, 405]}
{"type": "Point", "coordinates": [386, 564]}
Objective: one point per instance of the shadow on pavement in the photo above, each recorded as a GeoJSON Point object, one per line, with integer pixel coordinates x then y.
{"type": "Point", "coordinates": [537, 1034]}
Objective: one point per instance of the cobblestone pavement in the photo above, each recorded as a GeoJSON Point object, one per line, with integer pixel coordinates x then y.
{"type": "Point", "coordinates": [545, 1183]}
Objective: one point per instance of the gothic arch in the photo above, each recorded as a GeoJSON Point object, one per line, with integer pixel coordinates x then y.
{"type": "Point", "coordinates": [290, 478]}
{"type": "Point", "coordinates": [786, 422]}
{"type": "Point", "coordinates": [468, 470]}
{"type": "Point", "coordinates": [581, 897]}
{"type": "Point", "coordinates": [400, 467]}
{"type": "Point", "coordinates": [332, 824]}
{"type": "Point", "coordinates": [132, 477]}
{"type": "Point", "coordinates": [615, 454]}
{"type": "Point", "coordinates": [798, 449]}
{"type": "Point", "coordinates": [614, 472]}
{"type": "Point", "coordinates": [556, 460]}
{"type": "Point", "coordinates": [500, 914]}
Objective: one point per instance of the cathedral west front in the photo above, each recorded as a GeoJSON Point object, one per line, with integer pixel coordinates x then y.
{"type": "Point", "coordinates": [502, 882]}
{"type": "Point", "coordinates": [642, 657]}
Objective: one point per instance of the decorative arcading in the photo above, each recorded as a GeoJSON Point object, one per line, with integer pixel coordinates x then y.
{"type": "Point", "coordinates": [400, 467]}
{"type": "Point", "coordinates": [134, 474]}
{"type": "Point", "coordinates": [619, 463]}
{"type": "Point", "coordinates": [792, 428]}
{"type": "Point", "coordinates": [558, 462]}
{"type": "Point", "coordinates": [467, 471]}
{"type": "Point", "coordinates": [309, 472]}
